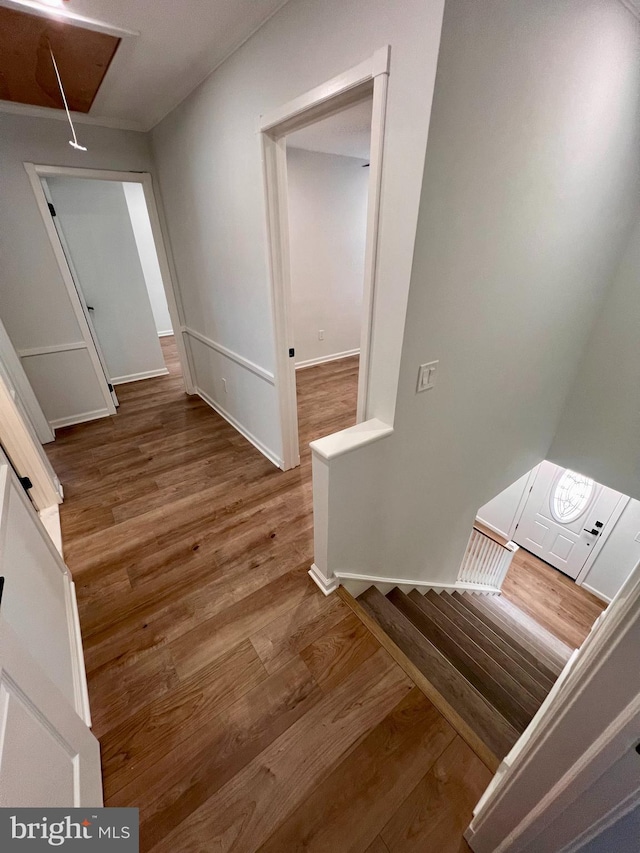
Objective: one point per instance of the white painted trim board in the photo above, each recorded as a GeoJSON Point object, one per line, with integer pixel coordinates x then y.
{"type": "Point", "coordinates": [325, 359]}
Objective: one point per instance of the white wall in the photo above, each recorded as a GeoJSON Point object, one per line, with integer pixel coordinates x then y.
{"type": "Point", "coordinates": [94, 219]}
{"type": "Point", "coordinates": [530, 185]}
{"type": "Point", "coordinates": [501, 512]}
{"type": "Point", "coordinates": [327, 228]}
{"type": "Point", "coordinates": [209, 162]}
{"type": "Point", "coordinates": [600, 429]}
{"type": "Point", "coordinates": [619, 555]}
{"type": "Point", "coordinates": [617, 558]}
{"type": "Point", "coordinates": [34, 305]}
{"type": "Point", "coordinates": [137, 206]}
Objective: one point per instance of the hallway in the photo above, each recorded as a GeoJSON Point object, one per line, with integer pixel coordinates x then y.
{"type": "Point", "coordinates": [235, 705]}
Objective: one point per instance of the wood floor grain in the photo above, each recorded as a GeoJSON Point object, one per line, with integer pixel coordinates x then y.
{"type": "Point", "coordinates": [237, 707]}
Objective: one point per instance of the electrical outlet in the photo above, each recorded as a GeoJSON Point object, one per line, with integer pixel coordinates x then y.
{"type": "Point", "coordinates": [320, 334]}
{"type": "Point", "coordinates": [224, 385]}
{"type": "Point", "coordinates": [426, 376]}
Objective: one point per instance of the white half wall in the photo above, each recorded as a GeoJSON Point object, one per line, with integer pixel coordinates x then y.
{"type": "Point", "coordinates": [327, 230]}
{"type": "Point", "coordinates": [94, 217]}
{"type": "Point", "coordinates": [501, 512]}
{"type": "Point", "coordinates": [137, 206]}
{"type": "Point", "coordinates": [599, 433]}
{"type": "Point", "coordinates": [208, 157]}
{"type": "Point", "coordinates": [34, 305]}
{"type": "Point", "coordinates": [530, 187]}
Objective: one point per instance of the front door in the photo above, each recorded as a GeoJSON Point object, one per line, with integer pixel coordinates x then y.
{"type": "Point", "coordinates": [564, 516]}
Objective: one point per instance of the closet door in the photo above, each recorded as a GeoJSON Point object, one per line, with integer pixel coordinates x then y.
{"type": "Point", "coordinates": [48, 755]}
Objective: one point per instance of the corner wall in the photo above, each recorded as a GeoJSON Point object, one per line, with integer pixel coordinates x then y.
{"type": "Point", "coordinates": [209, 162]}
{"type": "Point", "coordinates": [30, 274]}
{"type": "Point", "coordinates": [327, 229]}
{"type": "Point", "coordinates": [531, 181]}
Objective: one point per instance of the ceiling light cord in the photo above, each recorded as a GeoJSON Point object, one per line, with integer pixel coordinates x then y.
{"type": "Point", "coordinates": [73, 142]}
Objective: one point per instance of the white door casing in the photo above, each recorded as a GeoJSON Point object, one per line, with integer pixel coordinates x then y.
{"type": "Point", "coordinates": [48, 755]}
{"type": "Point", "coordinates": [564, 518]}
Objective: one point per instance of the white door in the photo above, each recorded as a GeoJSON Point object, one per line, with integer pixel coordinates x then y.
{"type": "Point", "coordinates": [564, 516]}
{"type": "Point", "coordinates": [48, 755]}
{"type": "Point", "coordinates": [86, 309]}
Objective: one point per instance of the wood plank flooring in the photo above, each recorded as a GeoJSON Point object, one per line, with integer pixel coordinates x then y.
{"type": "Point", "coordinates": [237, 707]}
{"type": "Point", "coordinates": [551, 598]}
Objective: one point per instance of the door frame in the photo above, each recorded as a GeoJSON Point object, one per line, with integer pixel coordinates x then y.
{"type": "Point", "coordinates": [369, 78]}
{"type": "Point", "coordinates": [613, 520]}
{"type": "Point", "coordinates": [502, 821]}
{"type": "Point", "coordinates": [36, 172]}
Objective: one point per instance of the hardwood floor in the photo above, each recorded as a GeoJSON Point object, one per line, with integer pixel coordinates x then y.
{"type": "Point", "coordinates": [236, 706]}
{"type": "Point", "coordinates": [551, 598]}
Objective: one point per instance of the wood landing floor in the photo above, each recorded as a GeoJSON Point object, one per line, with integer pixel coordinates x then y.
{"type": "Point", "coordinates": [237, 707]}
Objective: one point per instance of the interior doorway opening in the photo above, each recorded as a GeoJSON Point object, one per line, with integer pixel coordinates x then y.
{"type": "Point", "coordinates": [365, 82]}
{"type": "Point", "coordinates": [105, 232]}
{"type": "Point", "coordinates": [328, 190]}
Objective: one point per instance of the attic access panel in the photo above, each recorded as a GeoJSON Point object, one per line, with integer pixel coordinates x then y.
{"type": "Point", "coordinates": [26, 70]}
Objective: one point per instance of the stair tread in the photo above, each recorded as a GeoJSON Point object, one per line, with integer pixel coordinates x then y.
{"type": "Point", "coordinates": [513, 633]}
{"type": "Point", "coordinates": [483, 718]}
{"type": "Point", "coordinates": [495, 683]}
{"type": "Point", "coordinates": [524, 672]}
{"type": "Point", "coordinates": [553, 644]}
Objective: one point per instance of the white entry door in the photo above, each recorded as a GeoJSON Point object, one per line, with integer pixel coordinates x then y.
{"type": "Point", "coordinates": [48, 755]}
{"type": "Point", "coordinates": [564, 517]}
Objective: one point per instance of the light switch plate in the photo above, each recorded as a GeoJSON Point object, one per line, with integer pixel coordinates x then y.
{"type": "Point", "coordinates": [427, 376]}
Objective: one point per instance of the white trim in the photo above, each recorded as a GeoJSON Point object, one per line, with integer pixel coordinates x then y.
{"type": "Point", "coordinates": [459, 586]}
{"type": "Point", "coordinates": [492, 527]}
{"type": "Point", "coordinates": [30, 111]}
{"type": "Point", "coordinates": [166, 334]}
{"type": "Point", "coordinates": [632, 6]}
{"type": "Point", "coordinates": [608, 529]}
{"type": "Point", "coordinates": [325, 359]}
{"type": "Point", "coordinates": [57, 13]}
{"type": "Point", "coordinates": [622, 809]}
{"type": "Point", "coordinates": [80, 669]}
{"type": "Point", "coordinates": [234, 356]}
{"type": "Point", "coordinates": [26, 399]}
{"type": "Point", "coordinates": [332, 96]}
{"type": "Point", "coordinates": [41, 200]}
{"type": "Point", "coordinates": [609, 635]}
{"type": "Point", "coordinates": [80, 418]}
{"type": "Point", "coordinates": [47, 350]}
{"type": "Point", "coordinates": [136, 377]}
{"type": "Point", "coordinates": [596, 592]}
{"type": "Point", "coordinates": [271, 456]}
{"type": "Point", "coordinates": [325, 585]}
{"type": "Point", "coordinates": [50, 517]}
{"type": "Point", "coordinates": [350, 439]}
{"type": "Point", "coordinates": [158, 230]}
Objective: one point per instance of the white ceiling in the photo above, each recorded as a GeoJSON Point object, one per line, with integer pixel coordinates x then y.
{"type": "Point", "coordinates": [180, 42]}
{"type": "Point", "coordinates": [347, 133]}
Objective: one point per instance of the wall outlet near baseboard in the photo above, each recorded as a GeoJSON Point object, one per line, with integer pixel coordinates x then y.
{"type": "Point", "coordinates": [320, 334]}
{"type": "Point", "coordinates": [224, 385]}
{"type": "Point", "coordinates": [426, 376]}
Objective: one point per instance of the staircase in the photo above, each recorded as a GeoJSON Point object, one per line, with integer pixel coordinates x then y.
{"type": "Point", "coordinates": [489, 661]}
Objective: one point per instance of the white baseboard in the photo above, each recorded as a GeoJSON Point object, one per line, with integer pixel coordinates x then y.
{"type": "Point", "coordinates": [166, 334]}
{"type": "Point", "coordinates": [323, 359]}
{"type": "Point", "coordinates": [596, 592]}
{"type": "Point", "coordinates": [326, 585]}
{"type": "Point", "coordinates": [421, 586]}
{"type": "Point", "coordinates": [136, 377]}
{"type": "Point", "coordinates": [271, 456]}
{"type": "Point", "coordinates": [79, 419]}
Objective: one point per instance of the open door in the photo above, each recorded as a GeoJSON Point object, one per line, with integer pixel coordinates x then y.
{"type": "Point", "coordinates": [86, 309]}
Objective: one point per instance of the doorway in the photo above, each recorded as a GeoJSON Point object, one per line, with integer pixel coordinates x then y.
{"type": "Point", "coordinates": [105, 232]}
{"type": "Point", "coordinates": [328, 186]}
{"type": "Point", "coordinates": [366, 82]}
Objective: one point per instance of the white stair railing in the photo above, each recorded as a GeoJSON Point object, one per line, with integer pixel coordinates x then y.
{"type": "Point", "coordinates": [486, 560]}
